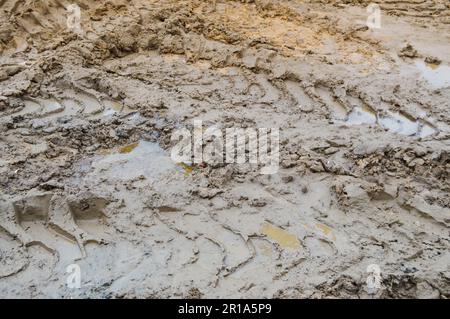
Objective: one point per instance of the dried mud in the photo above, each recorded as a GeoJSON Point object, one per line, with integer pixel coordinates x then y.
{"type": "Point", "coordinates": [85, 169]}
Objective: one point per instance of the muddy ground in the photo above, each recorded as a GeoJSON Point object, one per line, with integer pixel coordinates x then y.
{"type": "Point", "coordinates": [86, 176]}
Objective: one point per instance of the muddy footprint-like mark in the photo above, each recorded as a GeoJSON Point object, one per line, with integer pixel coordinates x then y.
{"type": "Point", "coordinates": [12, 256]}
{"type": "Point", "coordinates": [44, 219]}
{"type": "Point", "coordinates": [71, 103]}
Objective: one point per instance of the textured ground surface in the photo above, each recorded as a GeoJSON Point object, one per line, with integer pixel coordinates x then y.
{"type": "Point", "coordinates": [86, 176]}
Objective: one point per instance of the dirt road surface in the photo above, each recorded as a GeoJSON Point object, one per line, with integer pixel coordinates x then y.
{"type": "Point", "coordinates": [88, 186]}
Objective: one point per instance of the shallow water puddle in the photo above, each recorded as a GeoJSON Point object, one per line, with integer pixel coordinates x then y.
{"type": "Point", "coordinates": [438, 75]}
{"type": "Point", "coordinates": [393, 122]}
{"type": "Point", "coordinates": [280, 236]}
{"type": "Point", "coordinates": [113, 107]}
{"type": "Point", "coordinates": [128, 148]}
{"type": "Point", "coordinates": [427, 130]}
{"type": "Point", "coordinates": [361, 115]}
{"type": "Point", "coordinates": [30, 108]}
{"type": "Point", "coordinates": [187, 168]}
{"type": "Point", "coordinates": [400, 124]}
{"type": "Point", "coordinates": [51, 107]}
{"type": "Point", "coordinates": [138, 159]}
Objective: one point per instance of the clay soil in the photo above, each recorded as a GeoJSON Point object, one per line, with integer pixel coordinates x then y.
{"type": "Point", "coordinates": [86, 176]}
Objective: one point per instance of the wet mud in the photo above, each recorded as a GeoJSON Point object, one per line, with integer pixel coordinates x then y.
{"type": "Point", "coordinates": [86, 176]}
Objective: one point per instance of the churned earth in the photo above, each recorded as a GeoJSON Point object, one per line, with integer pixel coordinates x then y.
{"type": "Point", "coordinates": [86, 177]}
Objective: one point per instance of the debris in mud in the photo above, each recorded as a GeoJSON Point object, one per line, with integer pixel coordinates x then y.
{"type": "Point", "coordinates": [409, 52]}
{"type": "Point", "coordinates": [128, 148]}
{"type": "Point", "coordinates": [437, 74]}
{"type": "Point", "coordinates": [432, 61]}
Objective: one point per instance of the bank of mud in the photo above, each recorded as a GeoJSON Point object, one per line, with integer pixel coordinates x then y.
{"type": "Point", "coordinates": [86, 122]}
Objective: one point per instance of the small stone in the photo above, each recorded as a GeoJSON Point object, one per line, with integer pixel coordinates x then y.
{"type": "Point", "coordinates": [304, 189]}
{"type": "Point", "coordinates": [408, 51]}
{"type": "Point", "coordinates": [287, 179]}
{"type": "Point", "coordinates": [258, 202]}
{"type": "Point", "coordinates": [208, 193]}
{"type": "Point", "coordinates": [317, 167]}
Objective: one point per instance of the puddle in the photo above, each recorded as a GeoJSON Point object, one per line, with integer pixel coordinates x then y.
{"type": "Point", "coordinates": [280, 236]}
{"type": "Point", "coordinates": [400, 124]}
{"type": "Point", "coordinates": [393, 122]}
{"type": "Point", "coordinates": [427, 130]}
{"type": "Point", "coordinates": [187, 168]}
{"type": "Point", "coordinates": [361, 115]}
{"type": "Point", "coordinates": [128, 148]}
{"type": "Point", "coordinates": [31, 107]}
{"type": "Point", "coordinates": [438, 75]}
{"type": "Point", "coordinates": [50, 107]}
{"type": "Point", "coordinates": [138, 159]}
{"type": "Point", "coordinates": [114, 107]}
